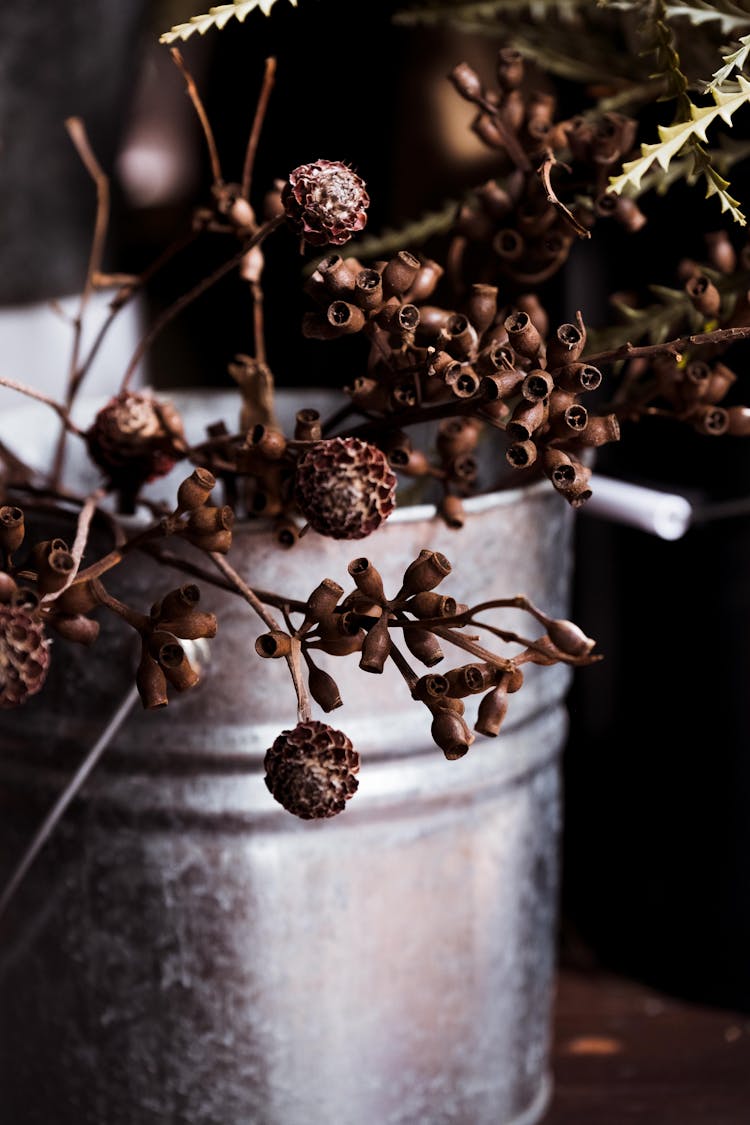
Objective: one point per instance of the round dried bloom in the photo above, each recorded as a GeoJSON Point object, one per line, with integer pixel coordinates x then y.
{"type": "Point", "coordinates": [345, 487]}
{"type": "Point", "coordinates": [311, 770]}
{"type": "Point", "coordinates": [24, 653]}
{"type": "Point", "coordinates": [136, 437]}
{"type": "Point", "coordinates": [325, 202]}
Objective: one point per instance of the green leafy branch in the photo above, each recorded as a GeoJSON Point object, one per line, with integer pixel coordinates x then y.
{"type": "Point", "coordinates": [218, 17]}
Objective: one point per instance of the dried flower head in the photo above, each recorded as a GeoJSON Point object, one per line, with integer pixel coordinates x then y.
{"type": "Point", "coordinates": [24, 651]}
{"type": "Point", "coordinates": [345, 487]}
{"type": "Point", "coordinates": [311, 770]}
{"type": "Point", "coordinates": [136, 437]}
{"type": "Point", "coordinates": [325, 202]}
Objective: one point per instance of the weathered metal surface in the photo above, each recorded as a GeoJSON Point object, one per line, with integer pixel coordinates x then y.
{"type": "Point", "coordinates": [185, 951]}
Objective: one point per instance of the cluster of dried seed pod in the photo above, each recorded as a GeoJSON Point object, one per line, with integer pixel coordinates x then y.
{"type": "Point", "coordinates": [692, 384]}
{"type": "Point", "coordinates": [310, 770]}
{"type": "Point", "coordinates": [484, 364]}
{"type": "Point", "coordinates": [518, 215]}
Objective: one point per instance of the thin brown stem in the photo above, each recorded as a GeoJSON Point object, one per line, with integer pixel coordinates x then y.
{"type": "Point", "coordinates": [304, 711]}
{"type": "Point", "coordinates": [77, 132]}
{"type": "Point", "coordinates": [474, 648]}
{"type": "Point", "coordinates": [187, 298]}
{"type": "Point", "coordinates": [83, 526]}
{"type": "Point", "coordinates": [58, 407]}
{"type": "Point", "coordinates": [260, 113]}
{"type": "Point", "coordinates": [725, 336]}
{"type": "Point", "coordinates": [544, 171]}
{"type": "Point", "coordinates": [200, 110]}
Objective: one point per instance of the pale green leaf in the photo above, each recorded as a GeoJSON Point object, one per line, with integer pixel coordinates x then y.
{"type": "Point", "coordinates": [734, 61]}
{"type": "Point", "coordinates": [218, 17]}
{"type": "Point", "coordinates": [673, 138]}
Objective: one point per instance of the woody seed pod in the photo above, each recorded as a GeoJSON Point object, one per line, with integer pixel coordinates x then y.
{"type": "Point", "coordinates": [367, 579]}
{"type": "Point", "coordinates": [54, 570]}
{"type": "Point", "coordinates": [75, 627]}
{"type": "Point", "coordinates": [307, 425]}
{"type": "Point", "coordinates": [311, 770]}
{"type": "Point", "coordinates": [429, 604]}
{"type": "Point", "coordinates": [269, 442]}
{"type": "Point", "coordinates": [195, 490]}
{"type": "Point", "coordinates": [538, 384]}
{"type": "Point", "coordinates": [565, 346]}
{"type": "Point", "coordinates": [12, 528]}
{"type": "Point", "coordinates": [526, 419]}
{"type": "Point", "coordinates": [721, 253]}
{"type": "Point", "coordinates": [509, 68]}
{"type": "Point", "coordinates": [173, 660]}
{"type": "Point", "coordinates": [345, 317]}
{"type": "Point", "coordinates": [376, 646]}
{"type": "Point", "coordinates": [466, 81]}
{"type": "Point", "coordinates": [337, 274]}
{"type": "Point", "coordinates": [600, 429]}
{"type": "Point", "coordinates": [324, 599]}
{"type": "Point", "coordinates": [470, 679]}
{"type": "Point", "coordinates": [522, 335]}
{"type": "Point", "coordinates": [710, 420]}
{"type": "Point", "coordinates": [721, 380]}
{"type": "Point", "coordinates": [424, 646]}
{"type": "Point", "coordinates": [368, 289]}
{"type": "Point", "coordinates": [7, 587]}
{"type": "Point", "coordinates": [151, 681]}
{"type": "Point", "coordinates": [492, 710]}
{"type": "Point", "coordinates": [450, 732]}
{"type": "Point", "coordinates": [431, 688]}
{"type": "Point", "coordinates": [521, 454]}
{"type": "Point", "coordinates": [400, 273]}
{"type": "Point", "coordinates": [738, 421]}
{"type": "Point", "coordinates": [451, 510]}
{"type": "Point", "coordinates": [323, 688]}
{"type": "Point", "coordinates": [704, 295]}
{"type": "Point", "coordinates": [578, 377]}
{"type": "Point", "coordinates": [425, 282]}
{"type": "Point", "coordinates": [208, 520]}
{"type": "Point", "coordinates": [273, 644]}
{"type": "Point", "coordinates": [481, 306]}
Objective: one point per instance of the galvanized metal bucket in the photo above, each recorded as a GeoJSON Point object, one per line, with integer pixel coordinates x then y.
{"type": "Point", "coordinates": [185, 951]}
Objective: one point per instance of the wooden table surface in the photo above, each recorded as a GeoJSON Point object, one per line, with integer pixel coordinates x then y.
{"type": "Point", "coordinates": [624, 1053]}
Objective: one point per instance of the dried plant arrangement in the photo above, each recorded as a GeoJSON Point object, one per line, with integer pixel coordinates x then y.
{"type": "Point", "coordinates": [456, 344]}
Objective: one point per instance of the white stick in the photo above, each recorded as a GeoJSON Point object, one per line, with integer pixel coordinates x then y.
{"type": "Point", "coordinates": [665, 514]}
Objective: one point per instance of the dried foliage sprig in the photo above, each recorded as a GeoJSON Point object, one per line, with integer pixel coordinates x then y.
{"type": "Point", "coordinates": [458, 342]}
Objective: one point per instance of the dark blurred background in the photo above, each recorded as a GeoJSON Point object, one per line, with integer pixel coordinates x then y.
{"type": "Point", "coordinates": [656, 861]}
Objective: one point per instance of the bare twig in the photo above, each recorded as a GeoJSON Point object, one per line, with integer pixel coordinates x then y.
{"type": "Point", "coordinates": [725, 336]}
{"type": "Point", "coordinates": [58, 407]}
{"type": "Point", "coordinates": [187, 298]}
{"type": "Point", "coordinates": [83, 526]}
{"type": "Point", "coordinates": [544, 172]}
{"type": "Point", "coordinates": [260, 112]}
{"type": "Point", "coordinates": [195, 98]}
{"type": "Point", "coordinates": [304, 711]}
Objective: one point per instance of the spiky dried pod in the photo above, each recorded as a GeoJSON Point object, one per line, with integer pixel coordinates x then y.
{"type": "Point", "coordinates": [311, 770]}
{"type": "Point", "coordinates": [325, 202]}
{"type": "Point", "coordinates": [345, 487]}
{"type": "Point", "coordinates": [136, 438]}
{"type": "Point", "coordinates": [24, 650]}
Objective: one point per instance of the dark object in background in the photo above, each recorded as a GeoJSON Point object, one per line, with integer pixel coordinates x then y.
{"type": "Point", "coordinates": [57, 60]}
